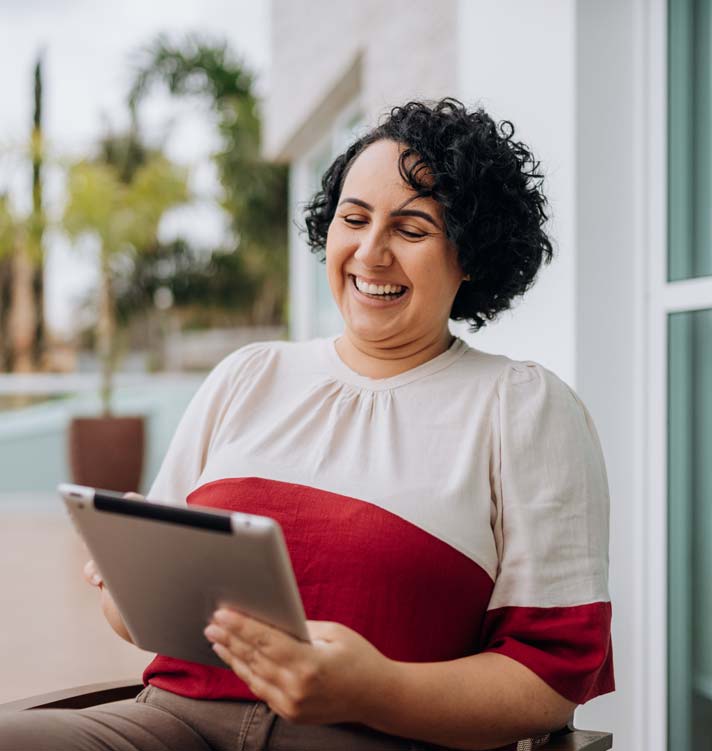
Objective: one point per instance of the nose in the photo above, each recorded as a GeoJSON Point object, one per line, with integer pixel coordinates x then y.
{"type": "Point", "coordinates": [373, 249]}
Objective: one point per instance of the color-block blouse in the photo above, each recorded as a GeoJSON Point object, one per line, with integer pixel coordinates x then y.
{"type": "Point", "coordinates": [458, 507]}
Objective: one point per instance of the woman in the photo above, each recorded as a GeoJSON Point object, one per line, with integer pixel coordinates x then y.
{"type": "Point", "coordinates": [445, 509]}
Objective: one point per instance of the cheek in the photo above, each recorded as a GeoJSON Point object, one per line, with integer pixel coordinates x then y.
{"type": "Point", "coordinates": [337, 252]}
{"type": "Point", "coordinates": [438, 277]}
{"type": "Point", "coordinates": [331, 262]}
{"type": "Point", "coordinates": [333, 265]}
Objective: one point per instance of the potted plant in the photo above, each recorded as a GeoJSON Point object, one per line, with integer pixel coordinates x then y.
{"type": "Point", "coordinates": [119, 201]}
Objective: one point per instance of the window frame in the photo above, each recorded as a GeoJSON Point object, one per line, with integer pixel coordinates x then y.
{"type": "Point", "coordinates": [663, 298]}
{"type": "Point", "coordinates": [305, 315]}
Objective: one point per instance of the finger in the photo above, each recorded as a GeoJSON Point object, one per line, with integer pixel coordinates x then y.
{"type": "Point", "coordinates": [233, 662]}
{"type": "Point", "coordinates": [271, 642]}
{"type": "Point", "coordinates": [255, 660]}
{"type": "Point", "coordinates": [92, 574]}
{"type": "Point", "coordinates": [260, 686]}
{"type": "Point", "coordinates": [245, 652]}
{"type": "Point", "coordinates": [215, 633]}
{"type": "Point", "coordinates": [135, 496]}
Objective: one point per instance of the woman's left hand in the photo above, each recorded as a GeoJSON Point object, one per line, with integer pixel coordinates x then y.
{"type": "Point", "coordinates": [336, 678]}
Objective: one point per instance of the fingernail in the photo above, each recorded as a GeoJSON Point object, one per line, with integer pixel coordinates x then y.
{"type": "Point", "coordinates": [227, 617]}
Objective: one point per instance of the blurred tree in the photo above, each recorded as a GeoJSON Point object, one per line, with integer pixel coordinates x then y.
{"type": "Point", "coordinates": [201, 286]}
{"type": "Point", "coordinates": [8, 228]}
{"type": "Point", "coordinates": [37, 222]}
{"type": "Point", "coordinates": [8, 232]}
{"type": "Point", "coordinates": [255, 191]}
{"type": "Point", "coordinates": [119, 200]}
{"type": "Point", "coordinates": [23, 321]}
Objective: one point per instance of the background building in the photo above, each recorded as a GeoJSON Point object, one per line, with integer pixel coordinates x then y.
{"type": "Point", "coordinates": [624, 314]}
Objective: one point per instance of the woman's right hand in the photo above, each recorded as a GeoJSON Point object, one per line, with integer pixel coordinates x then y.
{"type": "Point", "coordinates": [93, 576]}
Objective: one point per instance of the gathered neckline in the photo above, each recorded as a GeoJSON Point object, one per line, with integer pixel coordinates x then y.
{"type": "Point", "coordinates": [342, 372]}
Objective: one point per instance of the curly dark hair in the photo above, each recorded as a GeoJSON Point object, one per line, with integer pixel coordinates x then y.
{"type": "Point", "coordinates": [489, 188]}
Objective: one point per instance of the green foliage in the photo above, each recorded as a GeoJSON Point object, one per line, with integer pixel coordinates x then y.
{"type": "Point", "coordinates": [124, 216]}
{"type": "Point", "coordinates": [120, 203]}
{"type": "Point", "coordinates": [255, 191]}
{"type": "Point", "coordinates": [125, 151]}
{"type": "Point", "coordinates": [8, 228]}
{"type": "Point", "coordinates": [197, 66]}
{"type": "Point", "coordinates": [217, 282]}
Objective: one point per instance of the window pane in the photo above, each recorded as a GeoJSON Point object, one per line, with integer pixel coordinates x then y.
{"type": "Point", "coordinates": [325, 315]}
{"type": "Point", "coordinates": [326, 319]}
{"type": "Point", "coordinates": [690, 133]}
{"type": "Point", "coordinates": [690, 530]}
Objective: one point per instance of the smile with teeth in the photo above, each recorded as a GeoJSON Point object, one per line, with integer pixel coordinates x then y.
{"type": "Point", "coordinates": [381, 291]}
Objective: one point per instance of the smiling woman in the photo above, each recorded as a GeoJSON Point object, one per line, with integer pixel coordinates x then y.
{"type": "Point", "coordinates": [445, 509]}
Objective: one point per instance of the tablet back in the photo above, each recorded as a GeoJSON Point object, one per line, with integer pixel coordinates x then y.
{"type": "Point", "coordinates": [169, 568]}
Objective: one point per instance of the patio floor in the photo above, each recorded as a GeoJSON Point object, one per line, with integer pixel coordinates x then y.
{"type": "Point", "coordinates": [53, 633]}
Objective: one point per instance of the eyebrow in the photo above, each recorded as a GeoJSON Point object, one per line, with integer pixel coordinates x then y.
{"type": "Point", "coordinates": [397, 212]}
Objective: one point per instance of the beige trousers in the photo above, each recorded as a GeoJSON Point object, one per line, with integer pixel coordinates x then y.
{"type": "Point", "coordinates": [162, 721]}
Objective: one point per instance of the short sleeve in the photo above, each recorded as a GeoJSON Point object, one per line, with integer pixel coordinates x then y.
{"type": "Point", "coordinates": [550, 609]}
{"type": "Point", "coordinates": [195, 435]}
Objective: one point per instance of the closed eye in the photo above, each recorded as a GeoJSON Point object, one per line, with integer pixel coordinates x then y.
{"type": "Point", "coordinates": [354, 221]}
{"type": "Point", "coordinates": [357, 222]}
{"type": "Point", "coordinates": [412, 235]}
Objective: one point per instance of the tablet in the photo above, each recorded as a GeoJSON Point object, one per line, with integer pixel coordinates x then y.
{"type": "Point", "coordinates": [169, 568]}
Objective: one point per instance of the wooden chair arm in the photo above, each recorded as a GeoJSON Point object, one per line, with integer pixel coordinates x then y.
{"type": "Point", "coordinates": [579, 740]}
{"type": "Point", "coordinates": [78, 697]}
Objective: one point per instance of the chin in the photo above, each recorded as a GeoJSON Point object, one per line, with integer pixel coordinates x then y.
{"type": "Point", "coordinates": [370, 332]}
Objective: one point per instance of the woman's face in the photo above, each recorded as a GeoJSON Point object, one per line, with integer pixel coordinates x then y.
{"type": "Point", "coordinates": [391, 269]}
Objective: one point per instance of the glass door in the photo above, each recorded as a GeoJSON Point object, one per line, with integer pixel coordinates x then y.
{"type": "Point", "coordinates": [688, 301]}
{"type": "Point", "coordinates": [326, 319]}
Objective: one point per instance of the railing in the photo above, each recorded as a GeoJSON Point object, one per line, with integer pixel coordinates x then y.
{"type": "Point", "coordinates": [33, 447]}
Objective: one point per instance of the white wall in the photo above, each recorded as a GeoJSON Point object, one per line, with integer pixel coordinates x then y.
{"type": "Point", "coordinates": [326, 52]}
{"type": "Point", "coordinates": [605, 303]}
{"type": "Point", "coordinates": [619, 63]}
{"type": "Point", "coordinates": [516, 58]}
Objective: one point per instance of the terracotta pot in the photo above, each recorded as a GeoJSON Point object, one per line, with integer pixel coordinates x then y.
{"type": "Point", "coordinates": [107, 452]}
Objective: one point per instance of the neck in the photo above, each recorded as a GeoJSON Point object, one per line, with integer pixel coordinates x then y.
{"type": "Point", "coordinates": [386, 359]}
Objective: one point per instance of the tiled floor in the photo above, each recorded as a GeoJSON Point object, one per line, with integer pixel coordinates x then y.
{"type": "Point", "coordinates": [53, 634]}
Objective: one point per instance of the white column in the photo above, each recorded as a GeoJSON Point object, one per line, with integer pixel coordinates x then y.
{"type": "Point", "coordinates": [517, 59]}
{"type": "Point", "coordinates": [581, 81]}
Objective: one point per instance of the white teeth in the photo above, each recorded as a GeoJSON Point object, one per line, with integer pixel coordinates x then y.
{"type": "Point", "coordinates": [377, 289]}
